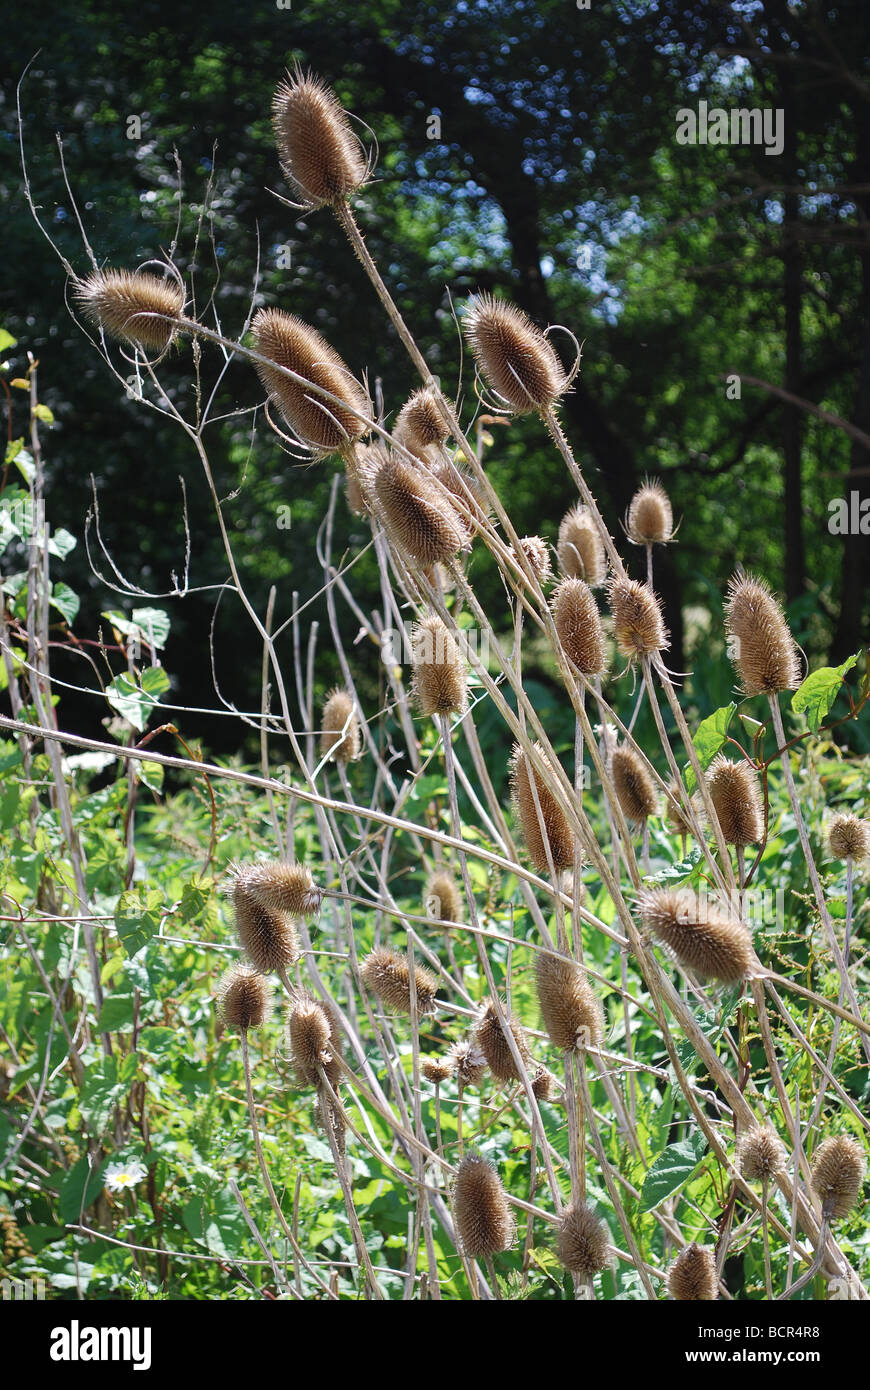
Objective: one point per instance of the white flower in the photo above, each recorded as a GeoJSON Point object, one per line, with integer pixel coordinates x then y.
{"type": "Point", "coordinates": [121, 1175]}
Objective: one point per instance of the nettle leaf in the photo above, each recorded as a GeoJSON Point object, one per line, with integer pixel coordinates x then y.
{"type": "Point", "coordinates": [709, 738]}
{"type": "Point", "coordinates": [671, 1170]}
{"type": "Point", "coordinates": [65, 601]}
{"type": "Point", "coordinates": [819, 691]}
{"type": "Point", "coordinates": [137, 917]}
{"type": "Point", "coordinates": [135, 701]}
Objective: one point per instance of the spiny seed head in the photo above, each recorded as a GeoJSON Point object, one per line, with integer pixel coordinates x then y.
{"type": "Point", "coordinates": [633, 785]}
{"type": "Point", "coordinates": [420, 423]}
{"type": "Point", "coordinates": [418, 515]}
{"type": "Point", "coordinates": [467, 1061]}
{"type": "Point", "coordinates": [759, 640]}
{"type": "Point", "coordinates": [736, 799]}
{"type": "Point", "coordinates": [513, 355]}
{"type": "Point", "coordinates": [440, 677]}
{"type": "Point", "coordinates": [638, 625]}
{"type": "Point", "coordinates": [243, 998]}
{"type": "Point", "coordinates": [542, 1084]}
{"type": "Point", "coordinates": [650, 520]}
{"type": "Point", "coordinates": [580, 548]}
{"type": "Point", "coordinates": [849, 837]}
{"type": "Point", "coordinates": [281, 886]}
{"type": "Point", "coordinates": [674, 813]}
{"type": "Point", "coordinates": [387, 975]}
{"type": "Point", "coordinates": [132, 306]}
{"type": "Point", "coordinates": [692, 1276]}
{"type": "Point", "coordinates": [552, 827]}
{"type": "Point", "coordinates": [583, 1241]}
{"type": "Point", "coordinates": [443, 901]}
{"type": "Point", "coordinates": [320, 155]}
{"type": "Point", "coordinates": [492, 1041]}
{"type": "Point", "coordinates": [314, 1037]}
{"type": "Point", "coordinates": [484, 1221]}
{"type": "Point", "coordinates": [761, 1154]}
{"type": "Point", "coordinates": [578, 623]}
{"type": "Point", "coordinates": [437, 1069]}
{"type": "Point", "coordinates": [717, 946]}
{"type": "Point", "coordinates": [268, 936]}
{"type": "Point", "coordinates": [838, 1174]}
{"type": "Point", "coordinates": [324, 425]}
{"type": "Point", "coordinates": [537, 555]}
{"type": "Point", "coordinates": [339, 728]}
{"type": "Point", "coordinates": [572, 1014]}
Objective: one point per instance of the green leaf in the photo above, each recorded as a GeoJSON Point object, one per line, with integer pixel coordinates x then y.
{"type": "Point", "coordinates": [675, 872]}
{"type": "Point", "coordinates": [6, 340]}
{"type": "Point", "coordinates": [80, 1188]}
{"type": "Point", "coordinates": [134, 702]}
{"type": "Point", "coordinates": [137, 917]}
{"type": "Point", "coordinates": [671, 1169]}
{"type": "Point", "coordinates": [65, 601]}
{"type": "Point", "coordinates": [101, 1092]}
{"type": "Point", "coordinates": [24, 463]}
{"type": "Point", "coordinates": [151, 774]}
{"type": "Point", "coordinates": [819, 691]}
{"type": "Point", "coordinates": [60, 543]}
{"type": "Point", "coordinates": [43, 413]}
{"type": "Point", "coordinates": [116, 1013]}
{"type": "Point", "coordinates": [709, 738]}
{"type": "Point", "coordinates": [148, 625]}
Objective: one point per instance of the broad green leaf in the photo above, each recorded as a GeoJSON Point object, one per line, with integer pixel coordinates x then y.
{"type": "Point", "coordinates": [708, 739]}
{"type": "Point", "coordinates": [80, 1187]}
{"type": "Point", "coordinates": [134, 701]}
{"type": "Point", "coordinates": [60, 543]}
{"type": "Point", "coordinates": [24, 463]}
{"type": "Point", "coordinates": [675, 872]}
{"type": "Point", "coordinates": [819, 691]}
{"type": "Point", "coordinates": [116, 1013]}
{"type": "Point", "coordinates": [137, 917]}
{"type": "Point", "coordinates": [65, 601]}
{"type": "Point", "coordinates": [101, 1092]}
{"type": "Point", "coordinates": [149, 625]}
{"type": "Point", "coordinates": [6, 340]}
{"type": "Point", "coordinates": [151, 774]}
{"type": "Point", "coordinates": [671, 1169]}
{"type": "Point", "coordinates": [43, 413]}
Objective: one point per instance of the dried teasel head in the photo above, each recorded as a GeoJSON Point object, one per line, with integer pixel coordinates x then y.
{"type": "Point", "coordinates": [542, 1084]}
{"type": "Point", "coordinates": [484, 1221]}
{"type": "Point", "coordinates": [491, 1038]}
{"type": "Point", "coordinates": [132, 306]}
{"type": "Point", "coordinates": [692, 1276]}
{"type": "Point", "coordinates": [437, 1069]}
{"type": "Point", "coordinates": [468, 1062]}
{"type": "Point", "coordinates": [323, 424]}
{"type": "Point", "coordinates": [572, 1014]}
{"type": "Point", "coordinates": [339, 728]}
{"type": "Point", "coordinates": [281, 886]}
{"type": "Point", "coordinates": [838, 1168]}
{"type": "Point", "coordinates": [580, 548]}
{"type": "Point", "coordinates": [512, 355]}
{"type": "Point", "coordinates": [440, 676]}
{"type": "Point", "coordinates": [759, 640]}
{"type": "Point", "coordinates": [638, 625]}
{"type": "Point", "coordinates": [761, 1154]}
{"type": "Point", "coordinates": [320, 154]}
{"type": "Point", "coordinates": [443, 901]}
{"type": "Point", "coordinates": [267, 935]}
{"type": "Point", "coordinates": [635, 790]}
{"type": "Point", "coordinates": [313, 1034]}
{"type": "Point", "coordinates": [583, 1241]}
{"type": "Point", "coordinates": [701, 937]}
{"type": "Point", "coordinates": [578, 623]}
{"type": "Point", "coordinates": [418, 515]}
{"type": "Point", "coordinates": [849, 837]}
{"type": "Point", "coordinates": [420, 423]}
{"type": "Point", "coordinates": [650, 519]}
{"type": "Point", "coordinates": [551, 828]}
{"type": "Point", "coordinates": [243, 998]}
{"type": "Point", "coordinates": [387, 975]}
{"type": "Point", "coordinates": [736, 799]}
{"type": "Point", "coordinates": [537, 556]}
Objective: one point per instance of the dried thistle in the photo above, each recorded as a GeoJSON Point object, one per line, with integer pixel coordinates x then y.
{"type": "Point", "coordinates": [849, 837]}
{"type": "Point", "coordinates": [710, 942]}
{"type": "Point", "coordinates": [583, 1241]}
{"type": "Point", "coordinates": [491, 1039]}
{"type": "Point", "coordinates": [420, 423]}
{"type": "Point", "coordinates": [542, 1084]}
{"type": "Point", "coordinates": [440, 677]}
{"type": "Point", "coordinates": [324, 425]}
{"type": "Point", "coordinates": [572, 1014]}
{"type": "Point", "coordinates": [133, 306]}
{"type": "Point", "coordinates": [339, 728]}
{"type": "Point", "coordinates": [759, 640]}
{"type": "Point", "coordinates": [650, 519]}
{"type": "Point", "coordinates": [692, 1276]}
{"type": "Point", "coordinates": [635, 790]}
{"type": "Point", "coordinates": [638, 625]}
{"type": "Point", "coordinates": [443, 901]}
{"type": "Point", "coordinates": [468, 1062]}
{"type": "Point", "coordinates": [552, 824]}
{"type": "Point", "coordinates": [418, 515]}
{"type": "Point", "coordinates": [387, 975]}
{"type": "Point", "coordinates": [484, 1221]}
{"type": "Point", "coordinates": [313, 1034]}
{"type": "Point", "coordinates": [837, 1174]}
{"type": "Point", "coordinates": [537, 555]}
{"type": "Point", "coordinates": [281, 886]}
{"type": "Point", "coordinates": [437, 1069]}
{"type": "Point", "coordinates": [580, 548]}
{"type": "Point", "coordinates": [578, 624]}
{"type": "Point", "coordinates": [513, 355]}
{"type": "Point", "coordinates": [268, 936]}
{"type": "Point", "coordinates": [320, 154]}
{"type": "Point", "coordinates": [736, 799]}
{"type": "Point", "coordinates": [761, 1154]}
{"type": "Point", "coordinates": [243, 998]}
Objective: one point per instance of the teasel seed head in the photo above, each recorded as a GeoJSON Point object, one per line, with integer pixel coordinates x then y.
{"type": "Point", "coordinates": [837, 1174]}
{"type": "Point", "coordinates": [650, 519]}
{"type": "Point", "coordinates": [437, 1069]}
{"type": "Point", "coordinates": [243, 998]}
{"type": "Point", "coordinates": [324, 425]}
{"type": "Point", "coordinates": [542, 1084]}
{"type": "Point", "coordinates": [440, 676]}
{"type": "Point", "coordinates": [692, 1276]}
{"type": "Point", "coordinates": [736, 799]}
{"type": "Point", "coordinates": [555, 830]}
{"type": "Point", "coordinates": [572, 1013]}
{"type": "Point", "coordinates": [578, 624]}
{"type": "Point", "coordinates": [468, 1062]}
{"type": "Point", "coordinates": [281, 886]}
{"type": "Point", "coordinates": [580, 548]}
{"type": "Point", "coordinates": [583, 1241]}
{"type": "Point", "coordinates": [420, 423]}
{"type": "Point", "coordinates": [313, 1034]}
{"type": "Point", "coordinates": [849, 837]}
{"type": "Point", "coordinates": [132, 306]}
{"type": "Point", "coordinates": [638, 625]}
{"type": "Point", "coordinates": [443, 901]}
{"type": "Point", "coordinates": [339, 728]}
{"type": "Point", "coordinates": [267, 935]}
{"type": "Point", "coordinates": [484, 1221]}
{"type": "Point", "coordinates": [320, 154]}
{"type": "Point", "coordinates": [760, 642]}
{"type": "Point", "coordinates": [387, 975]}
{"type": "Point", "coordinates": [719, 947]}
{"type": "Point", "coordinates": [537, 556]}
{"type": "Point", "coordinates": [761, 1154]}
{"type": "Point", "coordinates": [512, 355]}
{"type": "Point", "coordinates": [418, 515]}
{"type": "Point", "coordinates": [492, 1041]}
{"type": "Point", "coordinates": [635, 790]}
{"type": "Point", "coordinates": [674, 813]}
